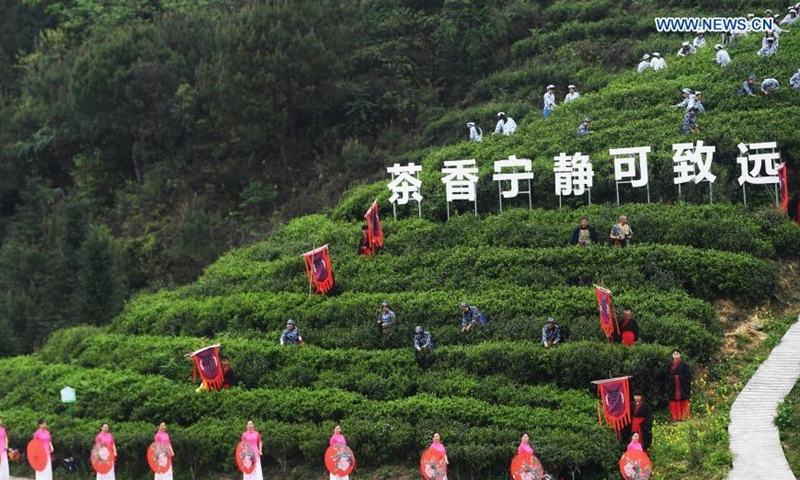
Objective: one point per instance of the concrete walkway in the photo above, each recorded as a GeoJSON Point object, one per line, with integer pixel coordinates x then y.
{"type": "Point", "coordinates": [755, 444]}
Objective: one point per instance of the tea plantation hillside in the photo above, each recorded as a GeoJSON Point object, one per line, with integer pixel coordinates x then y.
{"type": "Point", "coordinates": [484, 388]}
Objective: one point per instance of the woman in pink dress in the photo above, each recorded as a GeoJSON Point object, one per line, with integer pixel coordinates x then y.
{"type": "Point", "coordinates": [108, 440]}
{"type": "Point", "coordinates": [635, 445]}
{"type": "Point", "coordinates": [162, 437]}
{"type": "Point", "coordinates": [437, 445]}
{"type": "Point", "coordinates": [252, 437]}
{"type": "Point", "coordinates": [3, 453]}
{"type": "Point", "coordinates": [43, 435]}
{"type": "Point", "coordinates": [524, 447]}
{"type": "Point", "coordinates": [337, 437]}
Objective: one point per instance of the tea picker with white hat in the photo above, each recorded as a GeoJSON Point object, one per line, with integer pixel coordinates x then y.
{"type": "Point", "coordinates": [505, 125]}
{"type": "Point", "coordinates": [687, 98]}
{"type": "Point", "coordinates": [475, 132]}
{"type": "Point", "coordinates": [572, 95]}
{"type": "Point", "coordinates": [686, 49]}
{"type": "Point", "coordinates": [291, 335]}
{"type": "Point", "coordinates": [644, 64]}
{"type": "Point", "coordinates": [769, 85]}
{"type": "Point", "coordinates": [657, 62]}
{"type": "Point", "coordinates": [549, 99]}
{"type": "Point", "coordinates": [722, 55]}
{"type": "Point", "coordinates": [699, 40]}
{"type": "Point", "coordinates": [795, 80]}
{"type": "Point", "coordinates": [696, 101]}
{"type": "Point", "coordinates": [769, 47]}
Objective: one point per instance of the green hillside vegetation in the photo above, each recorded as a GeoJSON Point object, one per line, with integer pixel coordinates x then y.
{"type": "Point", "coordinates": [140, 142]}
{"type": "Point", "coordinates": [484, 388]}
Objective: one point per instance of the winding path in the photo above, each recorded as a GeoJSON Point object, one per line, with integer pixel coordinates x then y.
{"type": "Point", "coordinates": [755, 444]}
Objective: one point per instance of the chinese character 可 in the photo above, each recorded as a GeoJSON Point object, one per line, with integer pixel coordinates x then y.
{"type": "Point", "coordinates": [460, 181]}
{"type": "Point", "coordinates": [625, 165]}
{"type": "Point", "coordinates": [404, 183]}
{"type": "Point", "coordinates": [514, 177]}
{"type": "Point", "coordinates": [688, 159]}
{"type": "Point", "coordinates": [761, 161]}
{"type": "Point", "coordinates": [574, 174]}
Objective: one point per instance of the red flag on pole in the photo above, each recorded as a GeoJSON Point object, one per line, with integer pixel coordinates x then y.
{"type": "Point", "coordinates": [318, 269]}
{"type": "Point", "coordinates": [207, 364]}
{"type": "Point", "coordinates": [607, 320]}
{"type": "Point", "coordinates": [614, 396]}
{"type": "Point", "coordinates": [783, 187]}
{"type": "Point", "coordinates": [374, 230]}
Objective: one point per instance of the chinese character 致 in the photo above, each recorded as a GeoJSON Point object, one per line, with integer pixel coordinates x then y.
{"type": "Point", "coordinates": [460, 181]}
{"type": "Point", "coordinates": [693, 163]}
{"type": "Point", "coordinates": [514, 177]}
{"type": "Point", "coordinates": [574, 174]}
{"type": "Point", "coordinates": [625, 161]}
{"type": "Point", "coordinates": [404, 183]}
{"type": "Point", "coordinates": [761, 161]}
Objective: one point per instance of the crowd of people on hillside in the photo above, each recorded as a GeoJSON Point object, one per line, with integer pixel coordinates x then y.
{"type": "Point", "coordinates": [692, 105]}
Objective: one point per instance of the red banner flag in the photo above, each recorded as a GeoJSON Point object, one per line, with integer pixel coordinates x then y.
{"type": "Point", "coordinates": [783, 187]}
{"type": "Point", "coordinates": [607, 314]}
{"type": "Point", "coordinates": [614, 396]}
{"type": "Point", "coordinates": [318, 269]}
{"type": "Point", "coordinates": [206, 363]}
{"type": "Point", "coordinates": [374, 230]}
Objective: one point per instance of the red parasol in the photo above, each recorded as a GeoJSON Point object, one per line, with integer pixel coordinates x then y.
{"type": "Point", "coordinates": [37, 455]}
{"type": "Point", "coordinates": [635, 465]}
{"type": "Point", "coordinates": [526, 467]}
{"type": "Point", "coordinates": [339, 459]}
{"type": "Point", "coordinates": [246, 457]}
{"type": "Point", "coordinates": [158, 458]}
{"type": "Point", "coordinates": [432, 465]}
{"type": "Point", "coordinates": [102, 458]}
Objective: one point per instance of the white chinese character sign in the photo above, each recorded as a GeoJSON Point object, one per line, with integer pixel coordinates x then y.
{"type": "Point", "coordinates": [630, 166]}
{"type": "Point", "coordinates": [573, 175]}
{"type": "Point", "coordinates": [764, 158]}
{"type": "Point", "coordinates": [405, 182]}
{"type": "Point", "coordinates": [507, 170]}
{"type": "Point", "coordinates": [460, 181]}
{"type": "Point", "coordinates": [692, 163]}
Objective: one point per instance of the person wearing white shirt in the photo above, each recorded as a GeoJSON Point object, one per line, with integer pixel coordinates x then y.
{"type": "Point", "coordinates": [506, 125]}
{"type": "Point", "coordinates": [475, 133]}
{"type": "Point", "coordinates": [769, 85]}
{"type": "Point", "coordinates": [722, 56]}
{"type": "Point", "coordinates": [572, 95]}
{"type": "Point", "coordinates": [656, 62]}
{"type": "Point", "coordinates": [644, 64]}
{"type": "Point", "coordinates": [795, 81]}
{"type": "Point", "coordinates": [686, 50]}
{"type": "Point", "coordinates": [769, 47]}
{"type": "Point", "coordinates": [699, 40]}
{"type": "Point", "coordinates": [549, 99]}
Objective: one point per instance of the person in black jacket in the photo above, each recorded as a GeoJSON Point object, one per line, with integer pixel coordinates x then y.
{"type": "Point", "coordinates": [678, 377]}
{"type": "Point", "coordinates": [641, 421]}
